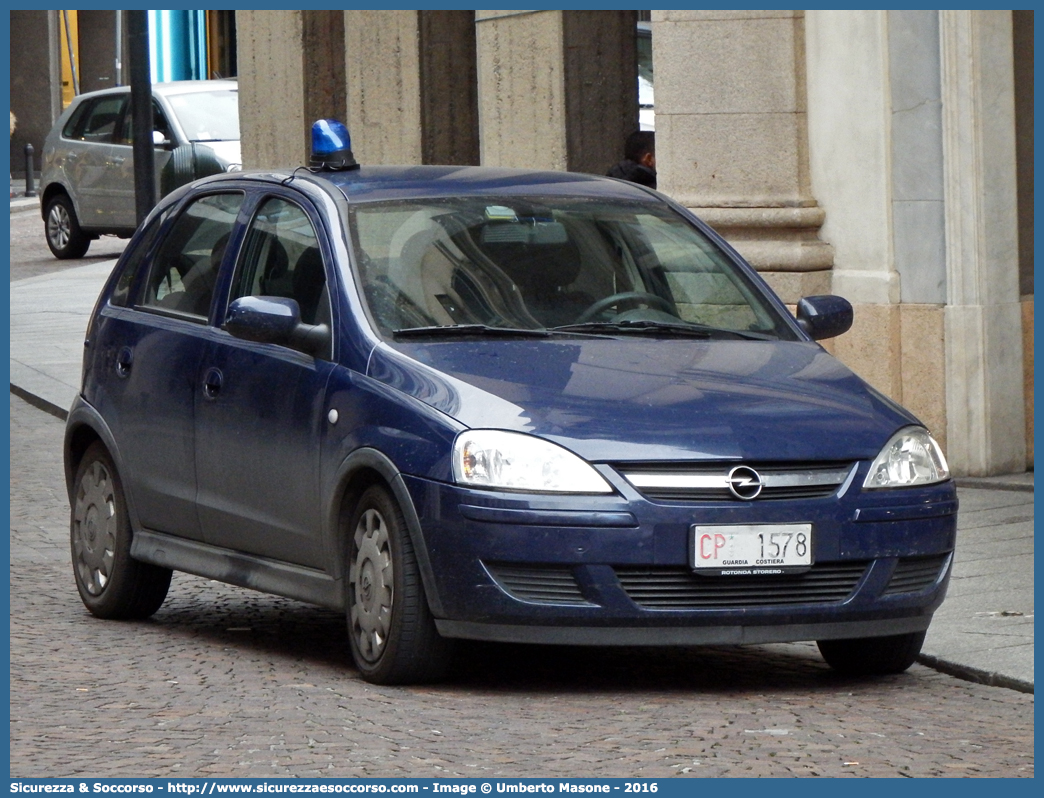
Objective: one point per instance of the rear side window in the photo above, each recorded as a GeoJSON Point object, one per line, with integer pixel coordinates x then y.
{"type": "Point", "coordinates": [186, 265]}
{"type": "Point", "coordinates": [74, 121]}
{"type": "Point", "coordinates": [100, 122]}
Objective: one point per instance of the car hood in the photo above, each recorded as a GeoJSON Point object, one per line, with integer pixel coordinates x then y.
{"type": "Point", "coordinates": [651, 399]}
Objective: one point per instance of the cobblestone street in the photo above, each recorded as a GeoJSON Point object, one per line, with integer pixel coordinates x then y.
{"type": "Point", "coordinates": [225, 682]}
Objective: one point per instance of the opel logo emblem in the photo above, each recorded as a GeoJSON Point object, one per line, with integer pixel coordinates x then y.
{"type": "Point", "coordinates": [745, 483]}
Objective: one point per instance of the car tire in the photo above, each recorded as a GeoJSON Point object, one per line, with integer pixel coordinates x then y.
{"type": "Point", "coordinates": [62, 229]}
{"type": "Point", "coordinates": [872, 656]}
{"type": "Point", "coordinates": [111, 584]}
{"type": "Point", "coordinates": [392, 632]}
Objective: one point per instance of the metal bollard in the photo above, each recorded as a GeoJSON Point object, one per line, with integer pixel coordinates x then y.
{"type": "Point", "coordinates": [30, 185]}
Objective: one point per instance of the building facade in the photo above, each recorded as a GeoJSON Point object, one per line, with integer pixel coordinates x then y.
{"type": "Point", "coordinates": [886, 156]}
{"type": "Point", "coordinates": [56, 55]}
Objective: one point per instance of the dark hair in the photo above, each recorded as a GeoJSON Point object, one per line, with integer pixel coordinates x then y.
{"type": "Point", "coordinates": [639, 143]}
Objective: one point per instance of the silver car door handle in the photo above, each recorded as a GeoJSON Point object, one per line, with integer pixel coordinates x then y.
{"type": "Point", "coordinates": [117, 161]}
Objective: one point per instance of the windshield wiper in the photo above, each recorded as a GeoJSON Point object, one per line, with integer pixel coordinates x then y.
{"type": "Point", "coordinates": [647, 327]}
{"type": "Point", "coordinates": [451, 330]}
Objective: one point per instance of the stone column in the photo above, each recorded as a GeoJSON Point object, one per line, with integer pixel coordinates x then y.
{"type": "Point", "coordinates": [384, 85]}
{"type": "Point", "coordinates": [36, 83]}
{"type": "Point", "coordinates": [875, 154]}
{"type": "Point", "coordinates": [732, 139]}
{"type": "Point", "coordinates": [984, 377]}
{"type": "Point", "coordinates": [291, 72]}
{"type": "Point", "coordinates": [557, 89]}
{"type": "Point", "coordinates": [411, 86]}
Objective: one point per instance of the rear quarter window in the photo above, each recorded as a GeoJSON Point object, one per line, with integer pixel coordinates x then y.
{"type": "Point", "coordinates": [69, 131]}
{"type": "Point", "coordinates": [99, 121]}
{"type": "Point", "coordinates": [132, 264]}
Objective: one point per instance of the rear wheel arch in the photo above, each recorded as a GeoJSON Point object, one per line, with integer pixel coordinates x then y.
{"type": "Point", "coordinates": [83, 427]}
{"type": "Point", "coordinates": [78, 440]}
{"type": "Point", "coordinates": [49, 193]}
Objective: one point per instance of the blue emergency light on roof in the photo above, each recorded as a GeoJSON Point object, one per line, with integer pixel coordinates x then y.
{"type": "Point", "coordinates": [331, 146]}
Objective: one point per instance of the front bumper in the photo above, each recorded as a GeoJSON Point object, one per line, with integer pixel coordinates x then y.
{"type": "Point", "coordinates": [613, 570]}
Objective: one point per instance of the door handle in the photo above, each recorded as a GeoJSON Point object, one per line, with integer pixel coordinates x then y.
{"type": "Point", "coordinates": [212, 383]}
{"type": "Point", "coordinates": [117, 161]}
{"type": "Point", "coordinates": [123, 362]}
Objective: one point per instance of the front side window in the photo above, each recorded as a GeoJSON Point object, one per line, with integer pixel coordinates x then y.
{"type": "Point", "coordinates": [282, 258]}
{"type": "Point", "coordinates": [551, 262]}
{"type": "Point", "coordinates": [185, 267]}
{"type": "Point", "coordinates": [159, 124]}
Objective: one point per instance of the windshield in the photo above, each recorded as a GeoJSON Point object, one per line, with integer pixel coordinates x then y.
{"type": "Point", "coordinates": [550, 263]}
{"type": "Point", "coordinates": [208, 115]}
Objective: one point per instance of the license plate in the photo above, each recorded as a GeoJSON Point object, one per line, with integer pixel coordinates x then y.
{"type": "Point", "coordinates": [749, 550]}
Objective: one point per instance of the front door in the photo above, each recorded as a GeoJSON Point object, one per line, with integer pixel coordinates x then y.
{"type": "Point", "coordinates": [119, 186]}
{"type": "Point", "coordinates": [260, 408]}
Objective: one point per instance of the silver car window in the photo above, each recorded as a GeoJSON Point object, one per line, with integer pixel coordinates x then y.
{"type": "Point", "coordinates": [101, 120]}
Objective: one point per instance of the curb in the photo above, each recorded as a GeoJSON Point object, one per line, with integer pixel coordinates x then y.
{"type": "Point", "coordinates": [977, 675]}
{"type": "Point", "coordinates": [60, 413]}
{"type": "Point", "coordinates": [986, 484]}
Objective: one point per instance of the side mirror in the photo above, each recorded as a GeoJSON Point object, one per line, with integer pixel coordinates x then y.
{"type": "Point", "coordinates": [824, 316]}
{"type": "Point", "coordinates": [275, 320]}
{"type": "Point", "coordinates": [159, 140]}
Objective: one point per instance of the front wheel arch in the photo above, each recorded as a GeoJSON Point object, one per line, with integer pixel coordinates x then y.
{"type": "Point", "coordinates": [361, 469]}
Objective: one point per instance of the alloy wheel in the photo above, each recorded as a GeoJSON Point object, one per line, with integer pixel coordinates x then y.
{"type": "Point", "coordinates": [59, 226]}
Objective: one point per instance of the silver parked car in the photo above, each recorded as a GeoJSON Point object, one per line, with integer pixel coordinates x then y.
{"type": "Point", "coordinates": [87, 185]}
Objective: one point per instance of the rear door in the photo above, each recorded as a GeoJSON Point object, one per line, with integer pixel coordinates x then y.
{"type": "Point", "coordinates": [90, 160]}
{"type": "Point", "coordinates": [151, 350]}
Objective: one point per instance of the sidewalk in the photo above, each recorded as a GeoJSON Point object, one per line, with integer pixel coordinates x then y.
{"type": "Point", "coordinates": [982, 632]}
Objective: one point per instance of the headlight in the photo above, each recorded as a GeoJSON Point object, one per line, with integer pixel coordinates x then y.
{"type": "Point", "coordinates": [911, 457]}
{"type": "Point", "coordinates": [489, 458]}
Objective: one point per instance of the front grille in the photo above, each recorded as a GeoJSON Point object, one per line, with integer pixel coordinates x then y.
{"type": "Point", "coordinates": [678, 588]}
{"type": "Point", "coordinates": [914, 574]}
{"type": "Point", "coordinates": [538, 584]}
{"type": "Point", "coordinates": [710, 482]}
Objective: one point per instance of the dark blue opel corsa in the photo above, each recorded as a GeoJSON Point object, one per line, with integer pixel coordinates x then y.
{"type": "Point", "coordinates": [460, 402]}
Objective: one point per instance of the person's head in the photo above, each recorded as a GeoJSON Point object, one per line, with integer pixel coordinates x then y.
{"type": "Point", "coordinates": [640, 147]}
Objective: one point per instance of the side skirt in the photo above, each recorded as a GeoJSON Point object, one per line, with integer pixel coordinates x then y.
{"type": "Point", "coordinates": [236, 568]}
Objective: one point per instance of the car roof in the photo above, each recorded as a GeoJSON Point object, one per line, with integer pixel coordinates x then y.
{"type": "Point", "coordinates": [170, 88]}
{"type": "Point", "coordinates": [192, 86]}
{"type": "Point", "coordinates": [378, 183]}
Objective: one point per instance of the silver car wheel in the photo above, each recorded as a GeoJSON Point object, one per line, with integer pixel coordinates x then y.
{"type": "Point", "coordinates": [371, 583]}
{"type": "Point", "coordinates": [94, 529]}
{"type": "Point", "coordinates": [59, 226]}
